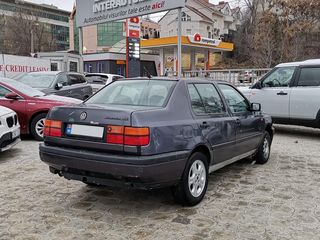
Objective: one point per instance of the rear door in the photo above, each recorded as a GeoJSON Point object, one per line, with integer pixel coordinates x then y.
{"type": "Point", "coordinates": [275, 93]}
{"type": "Point", "coordinates": [305, 95]}
{"type": "Point", "coordinates": [249, 124]}
{"type": "Point", "coordinates": [213, 119]}
{"type": "Point", "coordinates": [78, 86]}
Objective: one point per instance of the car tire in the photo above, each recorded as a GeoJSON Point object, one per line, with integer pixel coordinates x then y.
{"type": "Point", "coordinates": [194, 183]}
{"type": "Point", "coordinates": [35, 127]}
{"type": "Point", "coordinates": [263, 154]}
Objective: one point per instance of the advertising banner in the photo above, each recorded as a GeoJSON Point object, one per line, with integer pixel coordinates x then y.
{"type": "Point", "coordinates": [15, 66]}
{"type": "Point", "coordinates": [91, 12]}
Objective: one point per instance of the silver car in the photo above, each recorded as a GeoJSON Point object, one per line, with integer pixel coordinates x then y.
{"type": "Point", "coordinates": [67, 84]}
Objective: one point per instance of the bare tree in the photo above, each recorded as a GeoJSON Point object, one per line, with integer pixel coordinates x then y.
{"type": "Point", "coordinates": [19, 29]}
{"type": "Point", "coordinates": [278, 31]}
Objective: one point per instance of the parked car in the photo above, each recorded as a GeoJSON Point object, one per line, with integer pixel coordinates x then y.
{"type": "Point", "coordinates": [290, 93]}
{"type": "Point", "coordinates": [68, 84]}
{"type": "Point", "coordinates": [99, 80]}
{"type": "Point", "coordinates": [152, 133]}
{"type": "Point", "coordinates": [30, 104]}
{"type": "Point", "coordinates": [247, 76]}
{"type": "Point", "coordinates": [9, 129]}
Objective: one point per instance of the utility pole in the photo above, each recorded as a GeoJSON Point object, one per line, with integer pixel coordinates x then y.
{"type": "Point", "coordinates": [179, 43]}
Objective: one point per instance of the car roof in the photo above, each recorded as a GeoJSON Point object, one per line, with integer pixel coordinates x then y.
{"type": "Point", "coordinates": [54, 73]}
{"type": "Point", "coordinates": [46, 72]}
{"type": "Point", "coordinates": [188, 80]}
{"type": "Point", "coordinates": [103, 74]}
{"type": "Point", "coordinates": [303, 63]}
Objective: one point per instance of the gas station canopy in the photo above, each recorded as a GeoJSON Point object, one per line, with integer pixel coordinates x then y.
{"type": "Point", "coordinates": [195, 41]}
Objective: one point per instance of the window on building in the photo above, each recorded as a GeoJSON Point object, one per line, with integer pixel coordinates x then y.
{"type": "Point", "coordinates": [185, 17]}
{"type": "Point", "coordinates": [189, 31]}
{"type": "Point", "coordinates": [110, 33]}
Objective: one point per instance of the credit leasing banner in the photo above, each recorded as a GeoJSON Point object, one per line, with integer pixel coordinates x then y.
{"type": "Point", "coordinates": [16, 66]}
{"type": "Point", "coordinates": [91, 12]}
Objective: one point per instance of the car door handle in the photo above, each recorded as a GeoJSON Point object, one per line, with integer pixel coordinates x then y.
{"type": "Point", "coordinates": [69, 92]}
{"type": "Point", "coordinates": [204, 125]}
{"type": "Point", "coordinates": [282, 93]}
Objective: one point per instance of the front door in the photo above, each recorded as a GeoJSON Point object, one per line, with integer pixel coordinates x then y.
{"type": "Point", "coordinates": [249, 124]}
{"type": "Point", "coordinates": [274, 96]}
{"type": "Point", "coordinates": [216, 125]}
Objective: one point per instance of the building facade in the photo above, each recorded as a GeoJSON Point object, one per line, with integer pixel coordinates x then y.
{"type": "Point", "coordinates": [55, 21]}
{"type": "Point", "coordinates": [103, 38]}
{"type": "Point", "coordinates": [202, 17]}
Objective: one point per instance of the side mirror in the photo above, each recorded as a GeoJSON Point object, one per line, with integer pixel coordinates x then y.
{"type": "Point", "coordinates": [12, 96]}
{"type": "Point", "coordinates": [255, 107]}
{"type": "Point", "coordinates": [59, 86]}
{"type": "Point", "coordinates": [258, 85]}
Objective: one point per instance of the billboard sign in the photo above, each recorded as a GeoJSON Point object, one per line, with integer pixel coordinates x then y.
{"type": "Point", "coordinates": [197, 38]}
{"type": "Point", "coordinates": [92, 12]}
{"type": "Point", "coordinates": [16, 66]}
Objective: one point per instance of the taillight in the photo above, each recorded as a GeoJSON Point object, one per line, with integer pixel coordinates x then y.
{"type": "Point", "coordinates": [52, 128]}
{"type": "Point", "coordinates": [129, 136]}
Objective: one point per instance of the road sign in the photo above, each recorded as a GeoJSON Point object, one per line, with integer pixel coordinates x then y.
{"type": "Point", "coordinates": [91, 12]}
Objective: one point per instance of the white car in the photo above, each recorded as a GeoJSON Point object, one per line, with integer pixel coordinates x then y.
{"type": "Point", "coordinates": [9, 129]}
{"type": "Point", "coordinates": [99, 80]}
{"type": "Point", "coordinates": [290, 93]}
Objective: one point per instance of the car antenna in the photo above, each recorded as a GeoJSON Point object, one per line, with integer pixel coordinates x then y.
{"type": "Point", "coordinates": [147, 72]}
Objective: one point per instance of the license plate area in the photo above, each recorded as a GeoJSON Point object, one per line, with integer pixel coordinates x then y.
{"type": "Point", "coordinates": [84, 131]}
{"type": "Point", "coordinates": [15, 134]}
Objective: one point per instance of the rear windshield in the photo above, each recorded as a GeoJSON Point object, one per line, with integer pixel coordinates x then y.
{"type": "Point", "coordinates": [151, 93]}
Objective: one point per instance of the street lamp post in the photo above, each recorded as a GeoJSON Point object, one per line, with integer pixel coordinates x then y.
{"type": "Point", "coordinates": [32, 36]}
{"type": "Point", "coordinates": [32, 41]}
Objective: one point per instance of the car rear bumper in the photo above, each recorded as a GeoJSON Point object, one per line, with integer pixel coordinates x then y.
{"type": "Point", "coordinates": [144, 172]}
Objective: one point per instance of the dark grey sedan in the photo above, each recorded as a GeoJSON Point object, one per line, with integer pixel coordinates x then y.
{"type": "Point", "coordinates": [66, 84]}
{"type": "Point", "coordinates": [152, 133]}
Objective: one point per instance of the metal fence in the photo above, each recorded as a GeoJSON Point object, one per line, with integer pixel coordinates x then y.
{"type": "Point", "coordinates": [239, 77]}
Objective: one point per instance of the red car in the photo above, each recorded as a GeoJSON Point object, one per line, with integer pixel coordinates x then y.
{"type": "Point", "coordinates": [30, 104]}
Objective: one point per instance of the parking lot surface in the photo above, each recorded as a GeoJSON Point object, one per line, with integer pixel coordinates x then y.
{"type": "Point", "coordinates": [280, 200]}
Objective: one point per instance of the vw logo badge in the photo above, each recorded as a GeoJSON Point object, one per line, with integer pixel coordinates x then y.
{"type": "Point", "coordinates": [83, 116]}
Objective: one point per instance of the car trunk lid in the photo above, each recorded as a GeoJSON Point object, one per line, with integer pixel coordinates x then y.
{"type": "Point", "coordinates": [86, 126]}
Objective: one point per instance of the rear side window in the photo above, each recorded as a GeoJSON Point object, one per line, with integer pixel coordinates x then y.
{"type": "Point", "coordinates": [205, 99]}
{"type": "Point", "coordinates": [153, 93]}
{"type": "Point", "coordinates": [76, 79]}
{"type": "Point", "coordinates": [309, 77]}
{"type": "Point", "coordinates": [196, 102]}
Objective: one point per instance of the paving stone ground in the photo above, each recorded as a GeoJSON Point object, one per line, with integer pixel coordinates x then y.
{"type": "Point", "coordinates": [280, 200]}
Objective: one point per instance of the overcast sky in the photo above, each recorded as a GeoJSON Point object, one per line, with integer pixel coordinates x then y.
{"type": "Point", "coordinates": [67, 4]}
{"type": "Point", "coordinates": [63, 4]}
